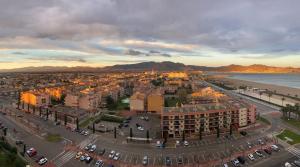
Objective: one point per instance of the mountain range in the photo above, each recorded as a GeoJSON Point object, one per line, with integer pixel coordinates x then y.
{"type": "Point", "coordinates": [159, 66]}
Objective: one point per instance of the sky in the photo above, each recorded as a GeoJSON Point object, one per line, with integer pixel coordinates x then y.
{"type": "Point", "coordinates": [106, 32]}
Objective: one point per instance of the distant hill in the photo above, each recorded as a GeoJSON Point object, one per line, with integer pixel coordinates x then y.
{"type": "Point", "coordinates": [161, 66]}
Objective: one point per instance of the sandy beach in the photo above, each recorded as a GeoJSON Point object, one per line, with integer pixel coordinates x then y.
{"type": "Point", "coordinates": [279, 89]}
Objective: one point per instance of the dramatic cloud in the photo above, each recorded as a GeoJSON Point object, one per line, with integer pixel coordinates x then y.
{"type": "Point", "coordinates": [229, 29]}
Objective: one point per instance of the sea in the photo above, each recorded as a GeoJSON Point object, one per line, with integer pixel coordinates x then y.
{"type": "Point", "coordinates": [288, 80]}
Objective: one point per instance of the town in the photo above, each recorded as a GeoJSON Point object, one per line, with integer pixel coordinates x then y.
{"type": "Point", "coordinates": [146, 118]}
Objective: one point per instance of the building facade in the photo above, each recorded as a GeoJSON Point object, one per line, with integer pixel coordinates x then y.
{"type": "Point", "coordinates": [209, 118]}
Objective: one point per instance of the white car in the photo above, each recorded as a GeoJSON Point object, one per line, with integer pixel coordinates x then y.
{"type": "Point", "coordinates": [177, 142]}
{"type": "Point", "coordinates": [158, 144]}
{"type": "Point", "coordinates": [251, 157]}
{"type": "Point", "coordinates": [259, 153]}
{"type": "Point", "coordinates": [140, 128]}
{"type": "Point", "coordinates": [43, 161]}
{"type": "Point", "coordinates": [145, 160]}
{"type": "Point", "coordinates": [93, 148]}
{"type": "Point", "coordinates": [117, 156]}
{"type": "Point", "coordinates": [287, 164]}
{"type": "Point", "coordinates": [111, 154]}
{"type": "Point", "coordinates": [249, 145]}
{"type": "Point", "coordinates": [274, 147]}
{"type": "Point", "coordinates": [186, 143]}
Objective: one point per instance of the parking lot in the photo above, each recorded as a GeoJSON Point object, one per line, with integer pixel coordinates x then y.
{"type": "Point", "coordinates": [152, 124]}
{"type": "Point", "coordinates": [158, 156]}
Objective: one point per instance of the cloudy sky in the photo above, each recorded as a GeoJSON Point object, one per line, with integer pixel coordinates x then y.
{"type": "Point", "coordinates": [107, 32]}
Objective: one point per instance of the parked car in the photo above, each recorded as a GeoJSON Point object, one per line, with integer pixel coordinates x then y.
{"type": "Point", "coordinates": [99, 163]}
{"type": "Point", "coordinates": [140, 128]}
{"type": "Point", "coordinates": [158, 143]}
{"type": "Point", "coordinates": [259, 153]}
{"type": "Point", "coordinates": [261, 142]}
{"type": "Point", "coordinates": [225, 165]}
{"type": "Point", "coordinates": [251, 157]}
{"type": "Point", "coordinates": [43, 161]}
{"type": "Point", "coordinates": [186, 143]}
{"type": "Point", "coordinates": [243, 133]}
{"type": "Point", "coordinates": [241, 159]}
{"type": "Point", "coordinates": [19, 142]}
{"type": "Point", "coordinates": [92, 148]}
{"type": "Point", "coordinates": [145, 160]}
{"type": "Point", "coordinates": [297, 163]}
{"type": "Point", "coordinates": [180, 160]}
{"type": "Point", "coordinates": [88, 159]}
{"type": "Point", "coordinates": [31, 152]}
{"type": "Point", "coordinates": [37, 158]}
{"type": "Point", "coordinates": [146, 118]}
{"type": "Point", "coordinates": [249, 145]}
{"type": "Point", "coordinates": [56, 123]}
{"type": "Point", "coordinates": [86, 133]}
{"type": "Point", "coordinates": [168, 161]}
{"type": "Point", "coordinates": [111, 154]}
{"type": "Point", "coordinates": [235, 162]}
{"type": "Point", "coordinates": [268, 151]}
{"type": "Point", "coordinates": [117, 156]}
{"type": "Point", "coordinates": [88, 147]}
{"type": "Point", "coordinates": [275, 147]}
{"type": "Point", "coordinates": [287, 164]}
{"type": "Point", "coordinates": [82, 157]}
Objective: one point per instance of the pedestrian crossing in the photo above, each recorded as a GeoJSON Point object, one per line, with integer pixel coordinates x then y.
{"type": "Point", "coordinates": [67, 156]}
{"type": "Point", "coordinates": [295, 151]}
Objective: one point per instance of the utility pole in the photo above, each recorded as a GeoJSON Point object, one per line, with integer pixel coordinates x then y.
{"type": "Point", "coordinates": [115, 132]}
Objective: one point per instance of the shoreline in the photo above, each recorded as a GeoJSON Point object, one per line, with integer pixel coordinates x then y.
{"type": "Point", "coordinates": [279, 89]}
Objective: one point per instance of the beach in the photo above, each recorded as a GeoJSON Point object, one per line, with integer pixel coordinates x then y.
{"type": "Point", "coordinates": [279, 89]}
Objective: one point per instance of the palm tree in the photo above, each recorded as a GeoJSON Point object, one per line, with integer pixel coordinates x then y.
{"type": "Point", "coordinates": [270, 94]}
{"type": "Point", "coordinates": [260, 93]}
{"type": "Point", "coordinates": [282, 99]}
{"type": "Point", "coordinates": [284, 111]}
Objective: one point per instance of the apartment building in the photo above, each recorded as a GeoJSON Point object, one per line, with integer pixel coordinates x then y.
{"type": "Point", "coordinates": [190, 119]}
{"type": "Point", "coordinates": [138, 102]}
{"type": "Point", "coordinates": [155, 102]}
{"type": "Point", "coordinates": [86, 99]}
{"type": "Point", "coordinates": [35, 98]}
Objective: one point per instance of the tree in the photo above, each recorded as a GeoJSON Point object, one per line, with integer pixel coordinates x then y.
{"type": "Point", "coordinates": [40, 110]}
{"type": "Point", "coordinates": [110, 102]}
{"type": "Point", "coordinates": [47, 113]}
{"type": "Point", "coordinates": [130, 133]}
{"type": "Point", "coordinates": [270, 95]}
{"type": "Point", "coordinates": [77, 123]}
{"type": "Point", "coordinates": [24, 149]}
{"type": "Point", "coordinates": [260, 93]}
{"type": "Point", "coordinates": [182, 95]}
{"type": "Point", "coordinates": [282, 99]}
{"type": "Point", "coordinates": [55, 115]}
{"type": "Point", "coordinates": [65, 119]}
